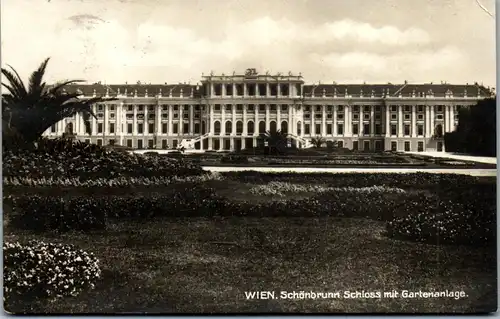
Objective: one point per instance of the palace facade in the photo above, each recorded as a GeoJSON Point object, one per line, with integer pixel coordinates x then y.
{"type": "Point", "coordinates": [229, 112]}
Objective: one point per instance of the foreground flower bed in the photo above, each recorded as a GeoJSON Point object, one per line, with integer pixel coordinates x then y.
{"type": "Point", "coordinates": [64, 159]}
{"type": "Point", "coordinates": [46, 270]}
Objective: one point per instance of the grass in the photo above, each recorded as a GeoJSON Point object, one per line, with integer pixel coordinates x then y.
{"type": "Point", "coordinates": [199, 265]}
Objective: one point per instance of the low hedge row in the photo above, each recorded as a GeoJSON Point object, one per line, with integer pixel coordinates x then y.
{"type": "Point", "coordinates": [414, 180]}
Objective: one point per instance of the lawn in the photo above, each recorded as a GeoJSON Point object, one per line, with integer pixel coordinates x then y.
{"type": "Point", "coordinates": [199, 265]}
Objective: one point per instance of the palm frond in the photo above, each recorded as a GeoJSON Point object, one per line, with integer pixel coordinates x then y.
{"type": "Point", "coordinates": [15, 88]}
{"type": "Point", "coordinates": [35, 81]}
{"type": "Point", "coordinates": [20, 81]}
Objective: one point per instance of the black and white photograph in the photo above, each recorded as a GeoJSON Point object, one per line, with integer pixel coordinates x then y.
{"type": "Point", "coordinates": [249, 157]}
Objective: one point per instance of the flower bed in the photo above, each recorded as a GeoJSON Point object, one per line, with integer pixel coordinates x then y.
{"type": "Point", "coordinates": [108, 182]}
{"type": "Point", "coordinates": [455, 163]}
{"type": "Point", "coordinates": [280, 188]}
{"type": "Point", "coordinates": [41, 270]}
{"type": "Point", "coordinates": [62, 159]}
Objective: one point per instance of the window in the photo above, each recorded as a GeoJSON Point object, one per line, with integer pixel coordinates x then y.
{"type": "Point", "coordinates": [262, 108]}
{"type": "Point", "coordinates": [394, 108]}
{"type": "Point", "coordinates": [329, 129]}
{"type": "Point", "coordinates": [164, 128]}
{"type": "Point", "coordinates": [196, 128]}
{"type": "Point", "coordinates": [318, 108]}
{"type": "Point", "coordinates": [175, 143]}
{"type": "Point", "coordinates": [420, 146]}
{"type": "Point", "coordinates": [151, 143]}
{"type": "Point", "coordinates": [420, 108]}
{"type": "Point", "coordinates": [439, 116]}
{"type": "Point", "coordinates": [164, 144]}
{"type": "Point", "coordinates": [150, 108]}
{"type": "Point", "coordinates": [99, 142]}
{"type": "Point", "coordinates": [151, 128]}
{"type": "Point", "coordinates": [100, 107]}
{"type": "Point", "coordinates": [129, 143]}
{"type": "Point", "coordinates": [420, 117]}
{"type": "Point", "coordinates": [185, 116]}
{"type": "Point", "coordinates": [394, 146]}
{"type": "Point", "coordinates": [378, 146]}
{"type": "Point", "coordinates": [420, 130]}
{"type": "Point", "coordinates": [99, 128]}
{"type": "Point", "coordinates": [87, 140]}
{"type": "Point", "coordinates": [176, 128]}
{"type": "Point", "coordinates": [239, 107]}
{"type": "Point", "coordinates": [140, 128]}
{"type": "Point", "coordinates": [317, 115]}
{"type": "Point", "coordinates": [228, 108]}
{"type": "Point", "coordinates": [53, 129]}
{"type": "Point", "coordinates": [355, 145]}
{"type": "Point", "coordinates": [407, 108]}
{"type": "Point", "coordinates": [407, 117]}
{"type": "Point", "coordinates": [407, 146]}
{"type": "Point", "coordinates": [340, 108]}
{"type": "Point", "coordinates": [439, 108]}
{"type": "Point", "coordinates": [112, 107]}
{"type": "Point", "coordinates": [340, 130]}
{"type": "Point", "coordinates": [217, 89]}
{"type": "Point", "coordinates": [141, 108]}
{"type": "Point", "coordinates": [394, 116]}
{"type": "Point", "coordinates": [366, 116]}
{"type": "Point", "coordinates": [355, 108]}
{"type": "Point", "coordinates": [367, 108]}
{"type": "Point", "coordinates": [366, 145]}
{"type": "Point", "coordinates": [355, 129]}
{"type": "Point", "coordinates": [355, 116]}
{"type": "Point", "coordinates": [130, 108]}
{"type": "Point", "coordinates": [377, 108]}
{"type": "Point", "coordinates": [366, 129]}
{"type": "Point", "coordinates": [185, 128]}
{"type": "Point", "coordinates": [250, 107]}
{"type": "Point", "coordinates": [407, 130]}
{"type": "Point", "coordinates": [340, 116]}
{"type": "Point", "coordinates": [284, 108]}
{"type": "Point", "coordinates": [229, 89]}
{"type": "Point", "coordinates": [318, 129]}
{"type": "Point", "coordinates": [378, 129]}
{"type": "Point", "coordinates": [284, 89]}
{"type": "Point", "coordinates": [394, 130]}
{"type": "Point", "coordinates": [140, 144]}
{"type": "Point", "coordinates": [307, 129]}
{"type": "Point", "coordinates": [217, 107]}
{"type": "Point", "coordinates": [111, 128]}
{"type": "Point", "coordinates": [377, 116]}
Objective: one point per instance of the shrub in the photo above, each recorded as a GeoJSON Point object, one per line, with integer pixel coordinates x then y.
{"type": "Point", "coordinates": [41, 270]}
{"type": "Point", "coordinates": [446, 221]}
{"type": "Point", "coordinates": [66, 159]}
{"type": "Point", "coordinates": [234, 159]}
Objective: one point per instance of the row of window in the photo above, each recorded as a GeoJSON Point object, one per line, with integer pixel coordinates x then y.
{"type": "Point", "coordinates": [253, 89]}
{"type": "Point", "coordinates": [274, 107]}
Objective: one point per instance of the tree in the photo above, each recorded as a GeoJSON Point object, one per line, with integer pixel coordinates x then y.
{"type": "Point", "coordinates": [30, 110]}
{"type": "Point", "coordinates": [476, 130]}
{"type": "Point", "coordinates": [318, 141]}
{"type": "Point", "coordinates": [276, 141]}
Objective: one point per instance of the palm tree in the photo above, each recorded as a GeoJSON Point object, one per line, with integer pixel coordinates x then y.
{"type": "Point", "coordinates": [30, 110]}
{"type": "Point", "coordinates": [317, 141]}
{"type": "Point", "coordinates": [276, 141]}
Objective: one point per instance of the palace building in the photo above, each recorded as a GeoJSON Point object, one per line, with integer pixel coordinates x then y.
{"type": "Point", "coordinates": [229, 112]}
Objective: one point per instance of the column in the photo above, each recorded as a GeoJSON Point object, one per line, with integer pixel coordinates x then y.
{"type": "Point", "coordinates": [257, 121]}
{"type": "Point", "coordinates": [245, 90]}
{"type": "Point", "coordinates": [387, 120]}
{"type": "Point", "coordinates": [223, 120]}
{"type": "Point", "coordinates": [278, 116]}
{"type": "Point", "coordinates": [346, 120]}
{"type": "Point", "coordinates": [105, 129]}
{"type": "Point", "coordinates": [257, 92]}
{"type": "Point", "coordinates": [146, 121]}
{"type": "Point", "coordinates": [267, 118]}
{"type": "Point", "coordinates": [452, 118]}
{"type": "Point", "coordinates": [446, 119]}
{"type": "Point", "coordinates": [210, 142]}
{"type": "Point", "coordinates": [191, 120]}
{"type": "Point", "coordinates": [158, 120]}
{"type": "Point", "coordinates": [323, 123]}
{"type": "Point", "coordinates": [210, 122]}
{"type": "Point", "coordinates": [170, 121]}
{"type": "Point", "coordinates": [361, 126]}
{"type": "Point", "coordinates": [335, 120]}
{"type": "Point", "coordinates": [245, 120]}
{"type": "Point", "coordinates": [233, 120]}
{"type": "Point", "coordinates": [278, 89]}
{"type": "Point", "coordinates": [400, 120]}
{"type": "Point", "coordinates": [413, 121]}
{"type": "Point", "coordinates": [313, 121]}
{"type": "Point", "coordinates": [372, 120]}
{"type": "Point", "coordinates": [268, 94]}
{"type": "Point", "coordinates": [431, 122]}
{"type": "Point", "coordinates": [427, 121]}
{"type": "Point", "coordinates": [134, 124]}
{"type": "Point", "coordinates": [291, 122]}
{"type": "Point", "coordinates": [223, 90]}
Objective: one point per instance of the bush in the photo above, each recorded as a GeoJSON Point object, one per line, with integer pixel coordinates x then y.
{"type": "Point", "coordinates": [446, 221]}
{"type": "Point", "coordinates": [67, 159]}
{"type": "Point", "coordinates": [234, 159]}
{"type": "Point", "coordinates": [41, 270]}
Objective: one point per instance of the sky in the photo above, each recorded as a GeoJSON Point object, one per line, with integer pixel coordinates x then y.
{"type": "Point", "coordinates": [176, 41]}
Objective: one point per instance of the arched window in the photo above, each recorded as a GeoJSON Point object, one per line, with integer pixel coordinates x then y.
{"type": "Point", "coordinates": [284, 127]}
{"type": "Point", "coordinates": [229, 127]}
{"type": "Point", "coordinates": [239, 128]}
{"type": "Point", "coordinates": [262, 127]}
{"type": "Point", "coordinates": [439, 130]}
{"type": "Point", "coordinates": [299, 128]}
{"type": "Point", "coordinates": [273, 126]}
{"type": "Point", "coordinates": [216, 128]}
{"type": "Point", "coordinates": [203, 127]}
{"type": "Point", "coordinates": [250, 128]}
{"type": "Point", "coordinates": [69, 128]}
